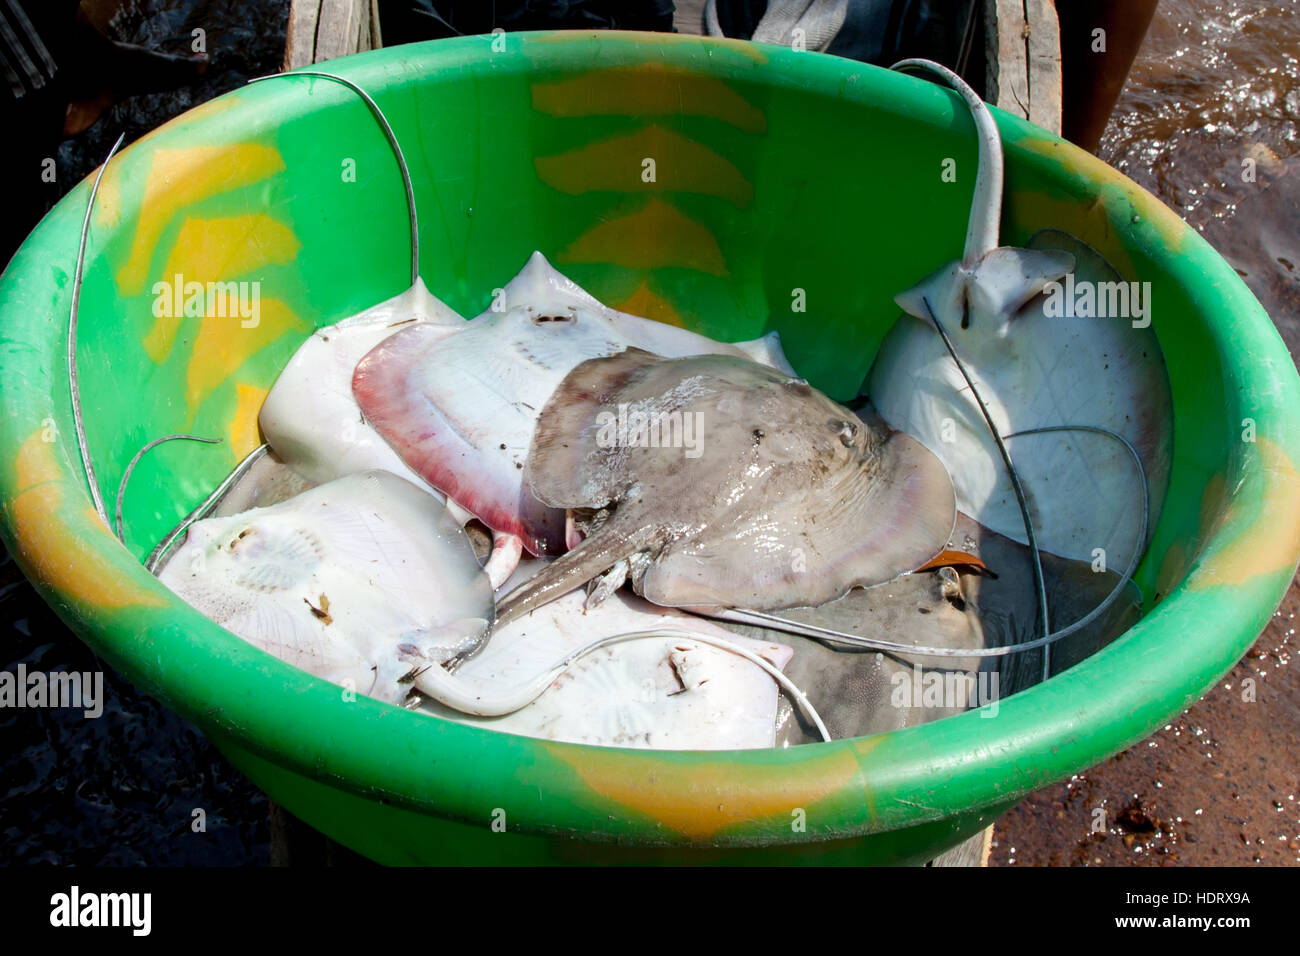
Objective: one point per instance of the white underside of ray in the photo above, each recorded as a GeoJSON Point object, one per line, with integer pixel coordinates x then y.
{"type": "Point", "coordinates": [1031, 371]}
{"type": "Point", "coordinates": [492, 379]}
{"type": "Point", "coordinates": [659, 692]}
{"type": "Point", "coordinates": [542, 287]}
{"type": "Point", "coordinates": [1034, 370]}
{"type": "Point", "coordinates": [310, 417]}
{"type": "Point", "coordinates": [356, 581]}
{"type": "Point", "coordinates": [367, 582]}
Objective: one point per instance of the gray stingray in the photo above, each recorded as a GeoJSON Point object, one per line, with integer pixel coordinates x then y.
{"type": "Point", "coordinates": [716, 481]}
{"type": "Point", "coordinates": [460, 409]}
{"type": "Point", "coordinates": [864, 691]}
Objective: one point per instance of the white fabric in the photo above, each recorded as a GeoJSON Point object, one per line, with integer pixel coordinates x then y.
{"type": "Point", "coordinates": [819, 20]}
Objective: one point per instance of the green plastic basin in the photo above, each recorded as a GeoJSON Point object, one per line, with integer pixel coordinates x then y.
{"type": "Point", "coordinates": [774, 171]}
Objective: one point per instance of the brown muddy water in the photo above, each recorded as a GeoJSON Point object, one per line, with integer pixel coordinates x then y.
{"type": "Point", "coordinates": [1216, 85]}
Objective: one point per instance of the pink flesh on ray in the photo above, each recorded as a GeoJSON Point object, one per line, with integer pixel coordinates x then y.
{"type": "Point", "coordinates": [460, 410]}
{"type": "Point", "coordinates": [311, 420]}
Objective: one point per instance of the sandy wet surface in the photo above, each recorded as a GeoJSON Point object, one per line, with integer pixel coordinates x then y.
{"type": "Point", "coordinates": [1216, 786]}
{"type": "Point", "coordinates": [1216, 85]}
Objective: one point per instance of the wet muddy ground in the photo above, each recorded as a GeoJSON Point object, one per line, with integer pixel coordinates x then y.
{"type": "Point", "coordinates": [1216, 787]}
{"type": "Point", "coordinates": [1216, 85]}
{"type": "Point", "coordinates": [122, 789]}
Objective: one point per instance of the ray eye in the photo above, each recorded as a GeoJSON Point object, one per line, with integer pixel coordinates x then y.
{"type": "Point", "coordinates": [847, 431]}
{"type": "Point", "coordinates": [548, 319]}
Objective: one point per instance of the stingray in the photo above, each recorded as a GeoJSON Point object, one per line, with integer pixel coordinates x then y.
{"type": "Point", "coordinates": [863, 691]}
{"type": "Point", "coordinates": [667, 691]}
{"type": "Point", "coordinates": [311, 419]}
{"type": "Point", "coordinates": [1032, 369]}
{"type": "Point", "coordinates": [365, 581]}
{"type": "Point", "coordinates": [1075, 400]}
{"type": "Point", "coordinates": [962, 606]}
{"type": "Point", "coordinates": [461, 410]}
{"type": "Point", "coordinates": [786, 499]}
{"type": "Point", "coordinates": [1096, 605]}
{"type": "Point", "coordinates": [368, 582]}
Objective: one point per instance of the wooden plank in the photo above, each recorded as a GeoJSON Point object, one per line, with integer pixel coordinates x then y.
{"type": "Point", "coordinates": [688, 16]}
{"type": "Point", "coordinates": [300, 43]}
{"type": "Point", "coordinates": [973, 852]}
{"type": "Point", "coordinates": [363, 29]}
{"type": "Point", "coordinates": [1023, 56]}
{"type": "Point", "coordinates": [339, 27]}
{"type": "Point", "coordinates": [324, 29]}
{"type": "Point", "coordinates": [1044, 64]}
{"type": "Point", "coordinates": [1007, 75]}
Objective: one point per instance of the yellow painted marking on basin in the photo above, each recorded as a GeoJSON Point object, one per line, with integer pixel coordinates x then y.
{"type": "Point", "coordinates": [1181, 553]}
{"type": "Point", "coordinates": [1114, 186]}
{"type": "Point", "coordinates": [656, 236]}
{"type": "Point", "coordinates": [199, 114]}
{"type": "Point", "coordinates": [182, 177]}
{"type": "Point", "coordinates": [1270, 540]}
{"type": "Point", "coordinates": [645, 303]}
{"type": "Point", "coordinates": [1172, 568]}
{"type": "Point", "coordinates": [224, 345]}
{"type": "Point", "coordinates": [108, 202]}
{"type": "Point", "coordinates": [653, 42]}
{"type": "Point", "coordinates": [1087, 221]}
{"type": "Point", "coordinates": [244, 435]}
{"type": "Point", "coordinates": [698, 800]}
{"type": "Point", "coordinates": [217, 250]}
{"type": "Point", "coordinates": [52, 552]}
{"type": "Point", "coordinates": [615, 165]}
{"type": "Point", "coordinates": [648, 89]}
